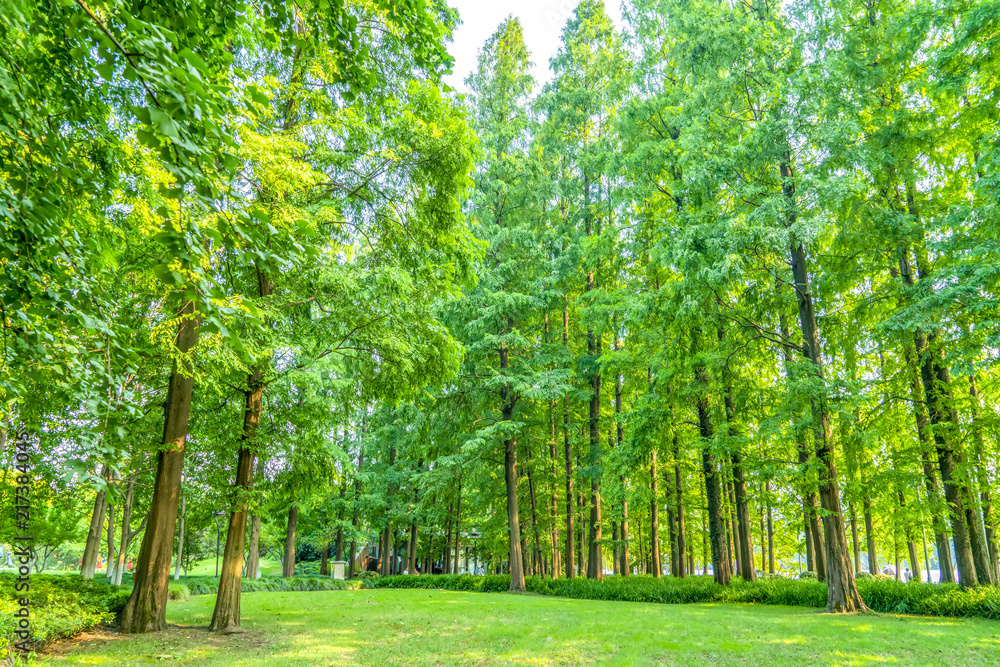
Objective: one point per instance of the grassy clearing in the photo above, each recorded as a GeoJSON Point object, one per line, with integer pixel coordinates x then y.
{"type": "Point", "coordinates": [427, 627]}
{"type": "Point", "coordinates": [206, 568]}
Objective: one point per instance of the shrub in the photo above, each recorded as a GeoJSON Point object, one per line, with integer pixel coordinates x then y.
{"type": "Point", "coordinates": [62, 605]}
{"type": "Point", "coordinates": [807, 574]}
{"type": "Point", "coordinates": [178, 591]}
{"type": "Point", "coordinates": [210, 585]}
{"type": "Point", "coordinates": [883, 595]}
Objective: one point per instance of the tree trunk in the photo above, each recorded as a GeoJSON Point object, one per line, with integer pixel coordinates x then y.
{"type": "Point", "coordinates": [815, 557]}
{"type": "Point", "coordinates": [411, 565]}
{"type": "Point", "coordinates": [654, 517]}
{"type": "Point", "coordinates": [870, 538]}
{"type": "Point", "coordinates": [253, 549]}
{"type": "Point", "coordinates": [982, 475]}
{"type": "Point", "coordinates": [93, 547]}
{"type": "Point", "coordinates": [288, 564]}
{"type": "Point", "coordinates": [567, 448]}
{"type": "Point", "coordinates": [595, 568]}
{"type": "Point", "coordinates": [227, 601]}
{"type": "Point", "coordinates": [854, 537]}
{"type": "Point", "coordinates": [110, 568]}
{"type": "Point", "coordinates": [513, 523]}
{"type": "Point", "coordinates": [625, 565]}
{"type": "Point", "coordinates": [679, 494]}
{"type": "Point", "coordinates": [146, 608]}
{"type": "Point", "coordinates": [180, 538]}
{"type": "Point", "coordinates": [713, 485]}
{"type": "Point", "coordinates": [842, 591]}
{"type": "Point", "coordinates": [539, 568]}
{"type": "Point", "coordinates": [458, 522]}
{"type": "Point", "coordinates": [554, 502]}
{"type": "Point", "coordinates": [127, 532]}
{"type": "Point", "coordinates": [770, 531]}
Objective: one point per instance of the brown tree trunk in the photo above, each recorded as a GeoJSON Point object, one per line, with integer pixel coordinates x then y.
{"type": "Point", "coordinates": [253, 549]}
{"type": "Point", "coordinates": [983, 476]}
{"type": "Point", "coordinates": [288, 564]}
{"type": "Point", "coordinates": [842, 591]}
{"type": "Point", "coordinates": [743, 540]}
{"type": "Point", "coordinates": [110, 566]}
{"type": "Point", "coordinates": [128, 534]}
{"type": "Point", "coordinates": [458, 523]}
{"type": "Point", "coordinates": [146, 608]}
{"type": "Point", "coordinates": [93, 547]}
{"type": "Point", "coordinates": [854, 537]}
{"type": "Point", "coordinates": [679, 495]}
{"type": "Point", "coordinates": [625, 560]}
{"type": "Point", "coordinates": [180, 538]}
{"type": "Point", "coordinates": [870, 538]}
{"type": "Point", "coordinates": [539, 568]}
{"type": "Point", "coordinates": [227, 602]}
{"type": "Point", "coordinates": [567, 449]}
{"type": "Point", "coordinates": [815, 558]}
{"type": "Point", "coordinates": [713, 483]}
{"type": "Point", "coordinates": [747, 570]}
{"type": "Point", "coordinates": [513, 523]}
{"type": "Point", "coordinates": [770, 531]}
{"type": "Point", "coordinates": [595, 568]}
{"type": "Point", "coordinates": [654, 517]}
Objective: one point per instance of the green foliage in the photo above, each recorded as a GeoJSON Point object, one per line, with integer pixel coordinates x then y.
{"type": "Point", "coordinates": [210, 585]}
{"type": "Point", "coordinates": [61, 606]}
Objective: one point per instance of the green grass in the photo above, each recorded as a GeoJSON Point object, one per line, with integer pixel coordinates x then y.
{"type": "Point", "coordinates": [429, 627]}
{"type": "Point", "coordinates": [206, 568]}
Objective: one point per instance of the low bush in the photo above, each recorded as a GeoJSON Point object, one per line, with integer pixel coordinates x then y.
{"type": "Point", "coordinates": [881, 595]}
{"type": "Point", "coordinates": [178, 591]}
{"type": "Point", "coordinates": [210, 585]}
{"type": "Point", "coordinates": [61, 605]}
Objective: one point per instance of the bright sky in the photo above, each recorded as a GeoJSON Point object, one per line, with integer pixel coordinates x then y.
{"type": "Point", "coordinates": [543, 22]}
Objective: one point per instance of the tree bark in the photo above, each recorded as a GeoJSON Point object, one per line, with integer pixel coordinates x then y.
{"type": "Point", "coordinates": [93, 547]}
{"type": "Point", "coordinates": [983, 476]}
{"type": "Point", "coordinates": [679, 494]}
{"type": "Point", "coordinates": [770, 531]}
{"type": "Point", "coordinates": [567, 449]}
{"type": "Point", "coordinates": [288, 563]}
{"type": "Point", "coordinates": [513, 523]}
{"type": "Point", "coordinates": [713, 485]}
{"type": "Point", "coordinates": [842, 591]}
{"type": "Point", "coordinates": [146, 608]}
{"type": "Point", "coordinates": [227, 601]}
{"type": "Point", "coordinates": [180, 538]}
{"type": "Point", "coordinates": [110, 567]}
{"type": "Point", "coordinates": [540, 562]}
{"type": "Point", "coordinates": [654, 517]}
{"type": "Point", "coordinates": [127, 533]}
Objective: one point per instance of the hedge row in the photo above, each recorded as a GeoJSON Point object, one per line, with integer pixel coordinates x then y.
{"type": "Point", "coordinates": [880, 595]}
{"type": "Point", "coordinates": [207, 585]}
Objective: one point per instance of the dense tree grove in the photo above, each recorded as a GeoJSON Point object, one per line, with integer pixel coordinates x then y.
{"type": "Point", "coordinates": [720, 297]}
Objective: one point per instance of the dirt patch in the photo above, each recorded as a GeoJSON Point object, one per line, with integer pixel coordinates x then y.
{"type": "Point", "coordinates": [175, 638]}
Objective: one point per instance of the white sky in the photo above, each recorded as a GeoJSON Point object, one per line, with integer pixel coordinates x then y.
{"type": "Point", "coordinates": [542, 20]}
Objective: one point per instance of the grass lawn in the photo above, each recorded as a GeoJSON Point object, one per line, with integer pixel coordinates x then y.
{"type": "Point", "coordinates": [268, 567]}
{"type": "Point", "coordinates": [426, 627]}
